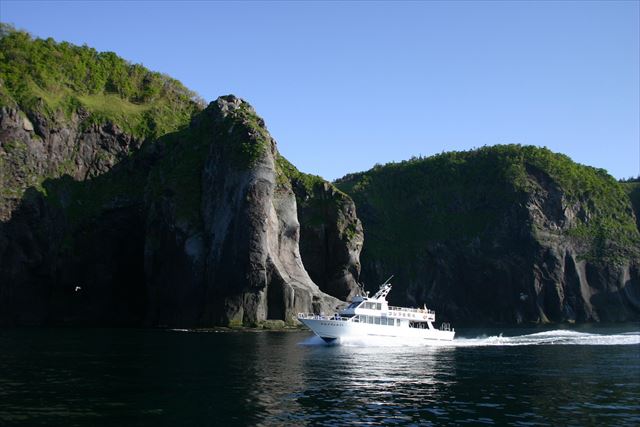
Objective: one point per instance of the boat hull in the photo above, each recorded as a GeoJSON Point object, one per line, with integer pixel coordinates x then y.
{"type": "Point", "coordinates": [331, 330]}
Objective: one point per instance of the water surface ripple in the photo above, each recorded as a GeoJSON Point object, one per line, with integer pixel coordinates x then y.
{"type": "Point", "coordinates": [152, 377]}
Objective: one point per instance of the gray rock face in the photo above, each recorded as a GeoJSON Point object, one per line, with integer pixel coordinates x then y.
{"type": "Point", "coordinates": [332, 238]}
{"type": "Point", "coordinates": [244, 259]}
{"type": "Point", "coordinates": [566, 286]}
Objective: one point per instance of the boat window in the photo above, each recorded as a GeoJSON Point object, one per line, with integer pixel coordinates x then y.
{"type": "Point", "coordinates": [372, 306]}
{"type": "Point", "coordinates": [353, 305]}
{"type": "Point", "coordinates": [370, 319]}
{"type": "Point", "coordinates": [377, 320]}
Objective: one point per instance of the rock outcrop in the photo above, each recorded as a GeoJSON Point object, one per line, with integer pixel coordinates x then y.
{"type": "Point", "coordinates": [331, 233]}
{"type": "Point", "coordinates": [502, 234]}
{"type": "Point", "coordinates": [331, 238]}
{"type": "Point", "coordinates": [239, 257]}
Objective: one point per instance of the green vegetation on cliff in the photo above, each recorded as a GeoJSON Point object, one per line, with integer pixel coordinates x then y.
{"type": "Point", "coordinates": [245, 136]}
{"type": "Point", "coordinates": [286, 171]}
{"type": "Point", "coordinates": [75, 95]}
{"type": "Point", "coordinates": [460, 195]}
{"type": "Point", "coordinates": [310, 190]}
{"type": "Point", "coordinates": [47, 77]}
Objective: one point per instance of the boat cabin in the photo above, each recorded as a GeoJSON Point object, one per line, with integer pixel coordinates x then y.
{"type": "Point", "coordinates": [376, 310]}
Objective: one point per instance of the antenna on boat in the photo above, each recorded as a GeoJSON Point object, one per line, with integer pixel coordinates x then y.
{"type": "Point", "coordinates": [384, 289]}
{"type": "Point", "coordinates": [361, 289]}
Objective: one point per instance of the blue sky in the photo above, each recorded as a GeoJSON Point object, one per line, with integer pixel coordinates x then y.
{"type": "Point", "coordinates": [345, 85]}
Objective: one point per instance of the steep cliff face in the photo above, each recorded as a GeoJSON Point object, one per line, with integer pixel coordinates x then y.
{"type": "Point", "coordinates": [240, 252]}
{"type": "Point", "coordinates": [501, 234]}
{"type": "Point", "coordinates": [331, 238]}
{"type": "Point", "coordinates": [42, 213]}
{"type": "Point", "coordinates": [331, 233]}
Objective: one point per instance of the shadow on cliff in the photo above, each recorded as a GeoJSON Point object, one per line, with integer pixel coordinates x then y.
{"type": "Point", "coordinates": [73, 251]}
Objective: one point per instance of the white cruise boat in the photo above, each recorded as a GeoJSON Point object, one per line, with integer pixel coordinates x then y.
{"type": "Point", "coordinates": [374, 317]}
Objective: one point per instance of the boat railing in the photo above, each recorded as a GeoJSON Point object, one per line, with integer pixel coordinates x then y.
{"type": "Point", "coordinates": [411, 310]}
{"type": "Point", "coordinates": [314, 316]}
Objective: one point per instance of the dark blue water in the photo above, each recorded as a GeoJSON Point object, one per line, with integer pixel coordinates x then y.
{"type": "Point", "coordinates": [110, 377]}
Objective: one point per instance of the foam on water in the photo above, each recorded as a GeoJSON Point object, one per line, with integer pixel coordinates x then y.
{"type": "Point", "coordinates": [554, 337]}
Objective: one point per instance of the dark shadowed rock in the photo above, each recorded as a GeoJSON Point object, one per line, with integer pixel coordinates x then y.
{"type": "Point", "coordinates": [331, 234]}
{"type": "Point", "coordinates": [331, 238]}
{"type": "Point", "coordinates": [44, 252]}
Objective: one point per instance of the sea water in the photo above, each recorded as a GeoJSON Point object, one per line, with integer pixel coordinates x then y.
{"type": "Point", "coordinates": [96, 377]}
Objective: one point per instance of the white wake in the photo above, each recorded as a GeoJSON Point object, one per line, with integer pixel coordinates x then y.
{"type": "Point", "coordinates": [554, 337]}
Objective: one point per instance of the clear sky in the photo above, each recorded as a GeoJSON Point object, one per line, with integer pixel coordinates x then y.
{"type": "Point", "coordinates": [345, 85]}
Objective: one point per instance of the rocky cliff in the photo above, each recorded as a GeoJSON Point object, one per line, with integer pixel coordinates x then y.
{"type": "Point", "coordinates": [501, 234]}
{"type": "Point", "coordinates": [236, 250]}
{"type": "Point", "coordinates": [331, 233]}
{"type": "Point", "coordinates": [198, 228]}
{"type": "Point", "coordinates": [124, 202]}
